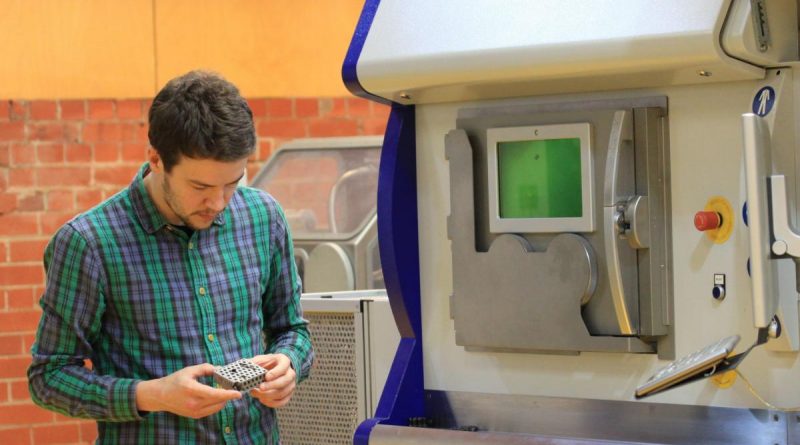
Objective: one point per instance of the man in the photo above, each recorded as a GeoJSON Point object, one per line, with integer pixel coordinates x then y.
{"type": "Point", "coordinates": [180, 272]}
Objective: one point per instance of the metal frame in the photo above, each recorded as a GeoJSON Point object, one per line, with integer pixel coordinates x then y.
{"type": "Point", "coordinates": [583, 223]}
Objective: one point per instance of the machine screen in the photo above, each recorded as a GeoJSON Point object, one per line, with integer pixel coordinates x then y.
{"type": "Point", "coordinates": [540, 178]}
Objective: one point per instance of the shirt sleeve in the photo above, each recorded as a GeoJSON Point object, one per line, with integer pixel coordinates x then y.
{"type": "Point", "coordinates": [286, 330]}
{"type": "Point", "coordinates": [73, 306]}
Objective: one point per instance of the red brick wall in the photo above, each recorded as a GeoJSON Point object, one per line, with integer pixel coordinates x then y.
{"type": "Point", "coordinates": [58, 158]}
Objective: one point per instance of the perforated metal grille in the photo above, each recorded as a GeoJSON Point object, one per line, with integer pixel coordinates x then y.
{"type": "Point", "coordinates": [324, 408]}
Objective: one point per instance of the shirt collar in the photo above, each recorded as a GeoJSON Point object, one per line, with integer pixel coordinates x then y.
{"type": "Point", "coordinates": [145, 209]}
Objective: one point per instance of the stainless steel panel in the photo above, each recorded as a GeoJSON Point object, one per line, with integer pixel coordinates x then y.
{"type": "Point", "coordinates": [614, 421]}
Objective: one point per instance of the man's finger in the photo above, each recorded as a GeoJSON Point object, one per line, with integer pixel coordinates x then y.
{"type": "Point", "coordinates": [265, 360]}
{"type": "Point", "coordinates": [214, 395]}
{"type": "Point", "coordinates": [201, 370]}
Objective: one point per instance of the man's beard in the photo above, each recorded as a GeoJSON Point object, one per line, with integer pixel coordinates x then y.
{"type": "Point", "coordinates": [172, 203]}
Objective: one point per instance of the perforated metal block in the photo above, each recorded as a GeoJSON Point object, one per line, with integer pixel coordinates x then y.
{"type": "Point", "coordinates": [324, 408]}
{"type": "Point", "coordinates": [241, 375]}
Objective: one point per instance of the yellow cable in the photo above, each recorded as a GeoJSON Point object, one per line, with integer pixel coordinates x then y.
{"type": "Point", "coordinates": [761, 399]}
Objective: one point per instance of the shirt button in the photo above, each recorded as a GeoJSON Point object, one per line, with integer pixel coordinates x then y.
{"type": "Point", "coordinates": [201, 291]}
{"type": "Point", "coordinates": [191, 245]}
{"type": "Point", "coordinates": [210, 337]}
{"type": "Point", "coordinates": [227, 430]}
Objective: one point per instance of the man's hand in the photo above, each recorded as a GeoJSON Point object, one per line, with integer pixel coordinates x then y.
{"type": "Point", "coordinates": [180, 393]}
{"type": "Point", "coordinates": [279, 383]}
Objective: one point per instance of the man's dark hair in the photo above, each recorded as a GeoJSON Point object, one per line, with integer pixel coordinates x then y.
{"type": "Point", "coordinates": [200, 115]}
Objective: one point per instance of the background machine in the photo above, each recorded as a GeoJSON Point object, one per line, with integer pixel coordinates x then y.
{"type": "Point", "coordinates": [586, 219]}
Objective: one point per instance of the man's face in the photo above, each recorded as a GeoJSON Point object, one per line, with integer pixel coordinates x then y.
{"type": "Point", "coordinates": [195, 191]}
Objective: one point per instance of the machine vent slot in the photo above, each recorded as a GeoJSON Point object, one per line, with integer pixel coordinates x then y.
{"type": "Point", "coordinates": [324, 408]}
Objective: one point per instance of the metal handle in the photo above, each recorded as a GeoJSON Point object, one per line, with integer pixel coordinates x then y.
{"type": "Point", "coordinates": [619, 187]}
{"type": "Point", "coordinates": [756, 162]}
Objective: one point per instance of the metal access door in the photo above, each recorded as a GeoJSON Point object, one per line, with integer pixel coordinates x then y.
{"type": "Point", "coordinates": [591, 290]}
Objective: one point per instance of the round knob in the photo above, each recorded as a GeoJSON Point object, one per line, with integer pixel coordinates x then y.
{"type": "Point", "coordinates": [718, 292]}
{"type": "Point", "coordinates": [707, 220]}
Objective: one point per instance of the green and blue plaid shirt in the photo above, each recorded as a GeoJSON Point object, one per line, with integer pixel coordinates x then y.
{"type": "Point", "coordinates": [143, 299]}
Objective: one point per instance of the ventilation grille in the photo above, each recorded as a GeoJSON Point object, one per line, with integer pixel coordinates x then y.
{"type": "Point", "coordinates": [324, 408]}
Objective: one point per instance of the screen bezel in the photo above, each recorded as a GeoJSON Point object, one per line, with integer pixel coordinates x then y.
{"type": "Point", "coordinates": [584, 223]}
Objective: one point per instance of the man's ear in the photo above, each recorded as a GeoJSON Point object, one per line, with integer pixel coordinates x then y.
{"type": "Point", "coordinates": [156, 164]}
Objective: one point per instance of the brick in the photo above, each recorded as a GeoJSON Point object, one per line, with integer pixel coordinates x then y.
{"type": "Point", "coordinates": [358, 107]}
{"type": "Point", "coordinates": [51, 222]}
{"type": "Point", "coordinates": [27, 342]}
{"type": "Point", "coordinates": [11, 345]}
{"type": "Point", "coordinates": [26, 250]}
{"type": "Point", "coordinates": [380, 110]}
{"type": "Point", "coordinates": [43, 110]}
{"type": "Point", "coordinates": [14, 367]}
{"type": "Point", "coordinates": [60, 200]}
{"type": "Point", "coordinates": [78, 153]}
{"type": "Point", "coordinates": [19, 110]}
{"type": "Point", "coordinates": [282, 128]}
{"type": "Point", "coordinates": [146, 104]}
{"type": "Point", "coordinates": [5, 110]}
{"type": "Point", "coordinates": [8, 202]}
{"type": "Point", "coordinates": [106, 152]}
{"type": "Point", "coordinates": [62, 176]}
{"type": "Point", "coordinates": [373, 126]}
{"type": "Point", "coordinates": [3, 258]}
{"type": "Point", "coordinates": [19, 390]}
{"type": "Point", "coordinates": [25, 414]}
{"type": "Point", "coordinates": [19, 321]}
{"type": "Point", "coordinates": [5, 153]}
{"type": "Point", "coordinates": [258, 107]}
{"type": "Point", "coordinates": [21, 298]}
{"type": "Point", "coordinates": [53, 132]}
{"type": "Point", "coordinates": [306, 107]}
{"type": "Point", "coordinates": [117, 175]}
{"type": "Point", "coordinates": [30, 202]}
{"type": "Point", "coordinates": [334, 107]}
{"type": "Point", "coordinates": [86, 199]}
{"type": "Point", "coordinates": [101, 109]}
{"type": "Point", "coordinates": [17, 436]}
{"type": "Point", "coordinates": [136, 132]}
{"type": "Point", "coordinates": [279, 107]}
{"type": "Point", "coordinates": [4, 396]}
{"type": "Point", "coordinates": [101, 132]}
{"type": "Point", "coordinates": [18, 224]}
{"type": "Point", "coordinates": [57, 434]}
{"type": "Point", "coordinates": [265, 148]}
{"type": "Point", "coordinates": [134, 152]}
{"type": "Point", "coordinates": [11, 275]}
{"type": "Point", "coordinates": [332, 127]}
{"type": "Point", "coordinates": [73, 110]}
{"type": "Point", "coordinates": [129, 109]}
{"type": "Point", "coordinates": [12, 131]}
{"type": "Point", "coordinates": [50, 153]}
{"type": "Point", "coordinates": [21, 177]}
{"type": "Point", "coordinates": [88, 432]}
{"type": "Point", "coordinates": [22, 154]}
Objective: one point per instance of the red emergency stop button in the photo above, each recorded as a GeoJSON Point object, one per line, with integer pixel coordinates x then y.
{"type": "Point", "coordinates": [707, 220]}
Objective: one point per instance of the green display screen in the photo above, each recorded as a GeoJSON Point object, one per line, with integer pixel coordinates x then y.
{"type": "Point", "coordinates": [540, 178]}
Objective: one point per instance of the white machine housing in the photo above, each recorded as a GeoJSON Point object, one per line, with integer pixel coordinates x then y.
{"type": "Point", "coordinates": [711, 60]}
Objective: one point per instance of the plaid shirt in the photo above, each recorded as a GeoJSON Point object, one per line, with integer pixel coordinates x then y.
{"type": "Point", "coordinates": [143, 299]}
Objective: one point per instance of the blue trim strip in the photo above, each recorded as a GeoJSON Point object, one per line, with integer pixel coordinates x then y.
{"type": "Point", "coordinates": [403, 393]}
{"type": "Point", "coordinates": [350, 65]}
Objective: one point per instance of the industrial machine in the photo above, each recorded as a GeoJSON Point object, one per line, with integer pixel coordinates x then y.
{"type": "Point", "coordinates": [587, 214]}
{"type": "Point", "coordinates": [327, 188]}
